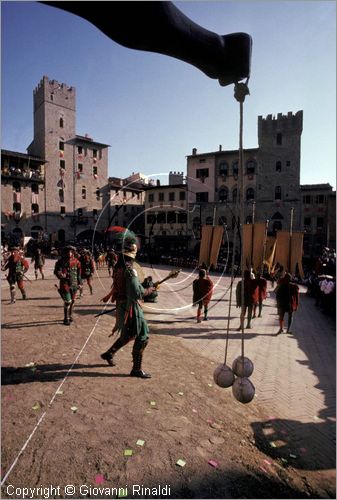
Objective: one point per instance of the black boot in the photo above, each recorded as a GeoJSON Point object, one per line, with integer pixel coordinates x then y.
{"type": "Point", "coordinates": [137, 355]}
{"type": "Point", "coordinates": [66, 320]}
{"type": "Point", "coordinates": [109, 354]}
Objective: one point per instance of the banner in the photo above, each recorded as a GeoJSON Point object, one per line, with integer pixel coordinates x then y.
{"type": "Point", "coordinates": [253, 245]}
{"type": "Point", "coordinates": [211, 238]}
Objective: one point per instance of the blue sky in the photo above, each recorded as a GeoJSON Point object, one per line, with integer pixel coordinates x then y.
{"type": "Point", "coordinates": [153, 109]}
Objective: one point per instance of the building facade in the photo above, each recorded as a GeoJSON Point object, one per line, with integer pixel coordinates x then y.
{"type": "Point", "coordinates": [76, 167]}
{"type": "Point", "coordinates": [271, 178]}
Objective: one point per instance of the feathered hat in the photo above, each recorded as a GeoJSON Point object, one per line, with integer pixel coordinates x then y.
{"type": "Point", "coordinates": [122, 240]}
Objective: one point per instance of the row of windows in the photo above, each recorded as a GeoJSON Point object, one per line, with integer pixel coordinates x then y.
{"type": "Point", "coordinates": [17, 187]}
{"type": "Point", "coordinates": [222, 221]}
{"type": "Point", "coordinates": [79, 167]}
{"type": "Point", "coordinates": [126, 194]}
{"type": "Point", "coordinates": [224, 169]}
{"type": "Point", "coordinates": [171, 196]}
{"type": "Point", "coordinates": [167, 218]}
{"type": "Point", "coordinates": [80, 150]}
{"type": "Point", "coordinates": [223, 195]}
{"type": "Point", "coordinates": [307, 221]}
{"type": "Point", "coordinates": [319, 199]}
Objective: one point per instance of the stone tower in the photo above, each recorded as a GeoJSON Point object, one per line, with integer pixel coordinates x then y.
{"type": "Point", "coordinates": [54, 126]}
{"type": "Point", "coordinates": [77, 167]}
{"type": "Point", "coordinates": [278, 175]}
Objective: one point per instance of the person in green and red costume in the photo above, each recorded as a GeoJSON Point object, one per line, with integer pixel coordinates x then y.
{"type": "Point", "coordinates": [126, 292]}
{"type": "Point", "coordinates": [68, 271]}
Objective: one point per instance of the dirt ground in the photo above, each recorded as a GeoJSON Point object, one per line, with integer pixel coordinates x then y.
{"type": "Point", "coordinates": [68, 418]}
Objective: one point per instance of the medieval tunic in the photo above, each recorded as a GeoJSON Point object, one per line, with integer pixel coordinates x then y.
{"type": "Point", "coordinates": [17, 266]}
{"type": "Point", "coordinates": [202, 291]}
{"type": "Point", "coordinates": [68, 271]}
{"type": "Point", "coordinates": [287, 297]}
{"type": "Point", "coordinates": [127, 291]}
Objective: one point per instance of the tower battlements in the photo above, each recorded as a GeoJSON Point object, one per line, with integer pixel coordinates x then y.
{"type": "Point", "coordinates": [281, 122]}
{"type": "Point", "coordinates": [54, 92]}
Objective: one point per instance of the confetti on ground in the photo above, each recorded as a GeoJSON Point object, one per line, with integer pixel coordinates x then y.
{"type": "Point", "coordinates": [181, 462]}
{"type": "Point", "coordinates": [99, 479]}
{"type": "Point", "coordinates": [272, 418]}
{"type": "Point", "coordinates": [36, 406]}
{"type": "Point", "coordinates": [209, 421]}
{"type": "Point", "coordinates": [210, 385]}
{"type": "Point", "coordinates": [267, 462]}
{"type": "Point", "coordinates": [263, 469]}
{"type": "Point", "coordinates": [180, 393]}
{"type": "Point", "coordinates": [316, 417]}
{"type": "Point", "coordinates": [74, 409]}
{"type": "Point", "coordinates": [128, 453]}
{"type": "Point", "coordinates": [192, 373]}
{"type": "Point", "coordinates": [213, 463]}
{"type": "Point", "coordinates": [292, 455]}
{"type": "Point", "coordinates": [272, 444]}
{"type": "Point", "coordinates": [152, 403]}
{"type": "Point", "coordinates": [30, 364]}
{"type": "Point", "coordinates": [59, 392]}
{"type": "Point", "coordinates": [284, 460]}
{"type": "Point", "coordinates": [194, 410]}
{"type": "Point", "coordinates": [140, 442]}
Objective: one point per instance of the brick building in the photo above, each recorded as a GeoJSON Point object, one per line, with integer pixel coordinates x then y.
{"type": "Point", "coordinates": [75, 188]}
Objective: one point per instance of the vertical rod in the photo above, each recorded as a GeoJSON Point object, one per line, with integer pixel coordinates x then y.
{"type": "Point", "coordinates": [242, 214]}
{"type": "Point", "coordinates": [290, 237]}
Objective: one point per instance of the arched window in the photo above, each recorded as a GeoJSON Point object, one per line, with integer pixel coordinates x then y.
{"type": "Point", "coordinates": [36, 231]}
{"type": "Point", "coordinates": [61, 122]}
{"type": "Point", "coordinates": [196, 224]}
{"type": "Point", "coordinates": [61, 235]}
{"type": "Point", "coordinates": [278, 193]}
{"type": "Point", "coordinates": [16, 207]}
{"type": "Point", "coordinates": [171, 217]}
{"type": "Point", "coordinates": [223, 168]}
{"type": "Point", "coordinates": [250, 167]}
{"type": "Point", "coordinates": [277, 226]}
{"type": "Point", "coordinates": [278, 166]}
{"type": "Point", "coordinates": [223, 194]}
{"type": "Point", "coordinates": [235, 168]}
{"type": "Point", "coordinates": [209, 221]}
{"type": "Point", "coordinates": [61, 195]}
{"type": "Point", "coordinates": [250, 194]}
{"type": "Point", "coordinates": [35, 208]}
{"type": "Point", "coordinates": [84, 193]}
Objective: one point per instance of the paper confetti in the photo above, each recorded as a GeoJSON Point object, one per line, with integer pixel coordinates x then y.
{"type": "Point", "coordinates": [36, 406]}
{"type": "Point", "coordinates": [180, 393]}
{"type": "Point", "coordinates": [284, 460]}
{"type": "Point", "coordinates": [59, 392]}
{"type": "Point", "coordinates": [140, 442]}
{"type": "Point", "coordinates": [74, 409]}
{"type": "Point", "coordinates": [292, 455]}
{"type": "Point", "coordinates": [213, 463]}
{"type": "Point", "coordinates": [194, 410]}
{"type": "Point", "coordinates": [152, 403]}
{"type": "Point", "coordinates": [272, 444]}
{"type": "Point", "coordinates": [192, 373]}
{"type": "Point", "coordinates": [181, 462]}
{"type": "Point", "coordinates": [210, 385]}
{"type": "Point", "coordinates": [209, 421]}
{"type": "Point", "coordinates": [30, 364]}
{"type": "Point", "coordinates": [267, 462]}
{"type": "Point", "coordinates": [128, 453]}
{"type": "Point", "coordinates": [99, 479]}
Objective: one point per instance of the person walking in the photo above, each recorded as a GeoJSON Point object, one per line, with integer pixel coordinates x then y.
{"type": "Point", "coordinates": [68, 271]}
{"type": "Point", "coordinates": [250, 299]}
{"type": "Point", "coordinates": [87, 269]}
{"type": "Point", "coordinates": [126, 292]}
{"type": "Point", "coordinates": [202, 293]}
{"type": "Point", "coordinates": [17, 266]}
{"type": "Point", "coordinates": [262, 294]}
{"type": "Point", "coordinates": [287, 299]}
{"type": "Point", "coordinates": [39, 261]}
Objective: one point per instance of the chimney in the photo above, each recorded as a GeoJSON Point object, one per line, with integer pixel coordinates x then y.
{"type": "Point", "coordinates": [220, 147]}
{"type": "Point", "coordinates": [194, 151]}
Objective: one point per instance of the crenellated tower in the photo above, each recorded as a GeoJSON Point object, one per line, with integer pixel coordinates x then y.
{"type": "Point", "coordinates": [278, 175]}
